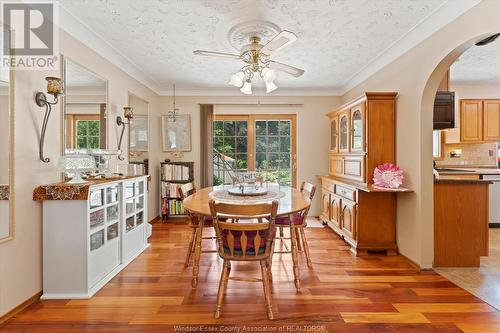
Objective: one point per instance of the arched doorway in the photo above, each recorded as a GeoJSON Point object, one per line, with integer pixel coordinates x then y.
{"type": "Point", "coordinates": [429, 93]}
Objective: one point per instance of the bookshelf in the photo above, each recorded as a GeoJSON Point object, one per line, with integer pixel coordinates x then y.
{"type": "Point", "coordinates": [173, 174]}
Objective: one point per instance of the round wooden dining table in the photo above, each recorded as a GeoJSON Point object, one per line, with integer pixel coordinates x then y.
{"type": "Point", "coordinates": [290, 201]}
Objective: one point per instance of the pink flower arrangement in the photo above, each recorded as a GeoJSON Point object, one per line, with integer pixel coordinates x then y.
{"type": "Point", "coordinates": [388, 175]}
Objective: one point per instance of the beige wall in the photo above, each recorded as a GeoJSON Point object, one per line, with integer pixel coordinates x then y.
{"type": "Point", "coordinates": [312, 129]}
{"type": "Point", "coordinates": [416, 76]}
{"type": "Point", "coordinates": [21, 258]}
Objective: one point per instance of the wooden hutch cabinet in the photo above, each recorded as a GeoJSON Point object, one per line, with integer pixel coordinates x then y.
{"type": "Point", "coordinates": [362, 136]}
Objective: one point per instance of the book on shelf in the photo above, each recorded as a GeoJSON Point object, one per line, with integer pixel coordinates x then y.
{"type": "Point", "coordinates": [172, 207]}
{"type": "Point", "coordinates": [169, 190]}
{"type": "Point", "coordinates": [175, 172]}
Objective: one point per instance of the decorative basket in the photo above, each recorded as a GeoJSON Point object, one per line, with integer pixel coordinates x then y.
{"type": "Point", "coordinates": [388, 175]}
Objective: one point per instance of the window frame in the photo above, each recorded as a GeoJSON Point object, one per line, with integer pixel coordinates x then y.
{"type": "Point", "coordinates": [71, 132]}
{"type": "Point", "coordinates": [251, 120]}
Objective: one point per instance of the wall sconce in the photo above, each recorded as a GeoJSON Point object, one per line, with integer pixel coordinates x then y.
{"type": "Point", "coordinates": [55, 88]}
{"type": "Point", "coordinates": [128, 113]}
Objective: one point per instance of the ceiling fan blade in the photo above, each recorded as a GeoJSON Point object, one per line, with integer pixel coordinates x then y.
{"type": "Point", "coordinates": [286, 68]}
{"type": "Point", "coordinates": [281, 40]}
{"type": "Point", "coordinates": [216, 54]}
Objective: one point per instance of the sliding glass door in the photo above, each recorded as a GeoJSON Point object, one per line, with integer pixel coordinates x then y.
{"type": "Point", "coordinates": [259, 144]}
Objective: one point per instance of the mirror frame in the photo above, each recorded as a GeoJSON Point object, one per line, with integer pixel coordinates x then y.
{"type": "Point", "coordinates": [130, 96]}
{"type": "Point", "coordinates": [63, 104]}
{"type": "Point", "coordinates": [11, 145]}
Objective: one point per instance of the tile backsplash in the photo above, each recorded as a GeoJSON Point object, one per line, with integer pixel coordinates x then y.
{"type": "Point", "coordinates": [473, 154]}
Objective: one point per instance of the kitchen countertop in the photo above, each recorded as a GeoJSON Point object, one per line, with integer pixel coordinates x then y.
{"type": "Point", "coordinates": [462, 181]}
{"type": "Point", "coordinates": [472, 171]}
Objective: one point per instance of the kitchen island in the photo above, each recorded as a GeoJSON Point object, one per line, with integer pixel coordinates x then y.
{"type": "Point", "coordinates": [461, 209]}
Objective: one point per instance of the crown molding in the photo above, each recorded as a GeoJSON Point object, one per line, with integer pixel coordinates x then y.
{"type": "Point", "coordinates": [82, 32]}
{"type": "Point", "coordinates": [439, 18]}
{"type": "Point", "coordinates": [233, 91]}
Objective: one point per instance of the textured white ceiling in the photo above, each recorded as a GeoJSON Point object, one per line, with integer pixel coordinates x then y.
{"type": "Point", "coordinates": [478, 65]}
{"type": "Point", "coordinates": [337, 38]}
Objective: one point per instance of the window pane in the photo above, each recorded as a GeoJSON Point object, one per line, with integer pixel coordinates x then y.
{"type": "Point", "coordinates": [272, 127]}
{"type": "Point", "coordinates": [229, 128]}
{"type": "Point", "coordinates": [81, 128]}
{"type": "Point", "coordinates": [260, 127]}
{"type": "Point", "coordinates": [273, 144]}
{"type": "Point", "coordinates": [218, 144]}
{"type": "Point", "coordinates": [93, 128]}
{"type": "Point", "coordinates": [241, 128]}
{"type": "Point", "coordinates": [285, 177]}
{"type": "Point", "coordinates": [284, 127]}
{"type": "Point", "coordinates": [261, 144]}
{"type": "Point", "coordinates": [229, 146]}
{"type": "Point", "coordinates": [241, 162]}
{"type": "Point", "coordinates": [273, 161]}
{"type": "Point", "coordinates": [93, 142]}
{"type": "Point", "coordinates": [285, 161]}
{"type": "Point", "coordinates": [81, 142]}
{"type": "Point", "coordinates": [261, 161]}
{"type": "Point", "coordinates": [241, 145]}
{"type": "Point", "coordinates": [218, 128]}
{"type": "Point", "coordinates": [285, 144]}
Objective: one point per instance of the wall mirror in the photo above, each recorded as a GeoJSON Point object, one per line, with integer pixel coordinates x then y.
{"type": "Point", "coordinates": [6, 152]}
{"type": "Point", "coordinates": [85, 108]}
{"type": "Point", "coordinates": [138, 145]}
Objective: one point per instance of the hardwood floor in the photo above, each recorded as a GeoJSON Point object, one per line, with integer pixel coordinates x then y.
{"type": "Point", "coordinates": [341, 293]}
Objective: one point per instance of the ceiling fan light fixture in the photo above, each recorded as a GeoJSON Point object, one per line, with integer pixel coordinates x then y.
{"type": "Point", "coordinates": [270, 87]}
{"type": "Point", "coordinates": [247, 88]}
{"type": "Point", "coordinates": [237, 79]}
{"type": "Point", "coordinates": [268, 75]}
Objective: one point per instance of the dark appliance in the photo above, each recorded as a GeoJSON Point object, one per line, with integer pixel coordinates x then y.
{"type": "Point", "coordinates": [444, 110]}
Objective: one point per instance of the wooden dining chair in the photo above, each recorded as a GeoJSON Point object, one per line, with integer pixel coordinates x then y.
{"type": "Point", "coordinates": [298, 225]}
{"type": "Point", "coordinates": [197, 224]}
{"type": "Point", "coordinates": [245, 241]}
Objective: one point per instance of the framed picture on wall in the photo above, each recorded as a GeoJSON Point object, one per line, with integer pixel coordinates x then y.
{"type": "Point", "coordinates": [176, 135]}
{"type": "Point", "coordinates": [139, 133]}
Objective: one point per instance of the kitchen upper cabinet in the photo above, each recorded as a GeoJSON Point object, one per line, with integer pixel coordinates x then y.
{"type": "Point", "coordinates": [491, 120]}
{"type": "Point", "coordinates": [334, 135]}
{"type": "Point", "coordinates": [471, 124]}
{"type": "Point", "coordinates": [480, 120]}
{"type": "Point", "coordinates": [344, 132]}
{"type": "Point", "coordinates": [358, 128]}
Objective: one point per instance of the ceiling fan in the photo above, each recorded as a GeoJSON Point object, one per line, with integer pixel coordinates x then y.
{"type": "Point", "coordinates": [257, 60]}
